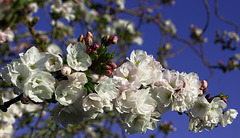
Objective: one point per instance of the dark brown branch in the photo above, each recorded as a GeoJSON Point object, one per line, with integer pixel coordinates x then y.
{"type": "Point", "coordinates": [7, 104]}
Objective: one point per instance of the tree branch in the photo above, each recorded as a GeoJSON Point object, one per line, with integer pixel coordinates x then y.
{"type": "Point", "coordinates": [7, 104]}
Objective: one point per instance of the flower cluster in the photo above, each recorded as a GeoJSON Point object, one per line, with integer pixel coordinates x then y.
{"type": "Point", "coordinates": [86, 83]}
{"type": "Point", "coordinates": [6, 36]}
{"type": "Point", "coordinates": [146, 90]}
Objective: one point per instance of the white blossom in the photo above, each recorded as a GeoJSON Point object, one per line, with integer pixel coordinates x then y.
{"type": "Point", "coordinates": [53, 62]}
{"type": "Point", "coordinates": [228, 117]}
{"type": "Point", "coordinates": [200, 108]}
{"type": "Point", "coordinates": [93, 103]}
{"type": "Point", "coordinates": [140, 123]}
{"type": "Point", "coordinates": [147, 64]}
{"type": "Point", "coordinates": [16, 73]}
{"type": "Point", "coordinates": [179, 91]}
{"type": "Point", "coordinates": [124, 24]}
{"type": "Point", "coordinates": [78, 79]}
{"type": "Point", "coordinates": [67, 94]}
{"type": "Point", "coordinates": [77, 58]}
{"type": "Point", "coordinates": [170, 27]}
{"type": "Point", "coordinates": [120, 3]}
{"type": "Point", "coordinates": [9, 35]}
{"type": "Point", "coordinates": [138, 40]}
{"type": "Point", "coordinates": [234, 36]}
{"type": "Point", "coordinates": [210, 119]}
{"type": "Point", "coordinates": [90, 15]}
{"type": "Point", "coordinates": [184, 99]}
{"type": "Point", "coordinates": [135, 101]}
{"type": "Point", "coordinates": [6, 130]}
{"type": "Point", "coordinates": [106, 91]}
{"type": "Point", "coordinates": [34, 59]}
{"type": "Point", "coordinates": [128, 75]}
{"type": "Point", "coordinates": [54, 49]}
{"type": "Point", "coordinates": [214, 115]}
{"type": "Point", "coordinates": [68, 11]}
{"type": "Point", "coordinates": [107, 88]}
{"type": "Point", "coordinates": [6, 35]}
{"type": "Point", "coordinates": [7, 117]}
{"type": "Point", "coordinates": [39, 86]}
{"type": "Point", "coordinates": [33, 7]}
{"type": "Point", "coordinates": [69, 115]}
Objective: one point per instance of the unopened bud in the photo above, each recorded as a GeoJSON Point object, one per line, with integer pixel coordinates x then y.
{"type": "Point", "coordinates": [224, 99]}
{"type": "Point", "coordinates": [88, 41]}
{"type": "Point", "coordinates": [220, 63]}
{"type": "Point", "coordinates": [88, 50]}
{"type": "Point", "coordinates": [113, 40]}
{"type": "Point", "coordinates": [94, 51]}
{"type": "Point", "coordinates": [25, 100]}
{"type": "Point", "coordinates": [112, 64]}
{"type": "Point", "coordinates": [230, 63]}
{"type": "Point", "coordinates": [204, 84]}
{"type": "Point", "coordinates": [149, 10]}
{"type": "Point", "coordinates": [107, 67]}
{"type": "Point", "coordinates": [89, 34]}
{"type": "Point", "coordinates": [81, 37]}
{"type": "Point", "coordinates": [96, 46]}
{"type": "Point", "coordinates": [109, 72]}
{"type": "Point", "coordinates": [66, 70]}
{"type": "Point", "coordinates": [192, 26]}
{"type": "Point", "coordinates": [205, 40]}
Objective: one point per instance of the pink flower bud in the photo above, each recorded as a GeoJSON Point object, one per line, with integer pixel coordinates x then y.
{"type": "Point", "coordinates": [204, 84]}
{"type": "Point", "coordinates": [220, 63]}
{"type": "Point", "coordinates": [66, 70]}
{"type": "Point", "coordinates": [230, 63]}
{"type": "Point", "coordinates": [108, 67]}
{"type": "Point", "coordinates": [94, 51]}
{"type": "Point", "coordinates": [88, 41]}
{"type": "Point", "coordinates": [109, 72]}
{"type": "Point", "coordinates": [81, 37]}
{"type": "Point", "coordinates": [89, 50]}
{"type": "Point", "coordinates": [149, 10]}
{"type": "Point", "coordinates": [113, 40]}
{"type": "Point", "coordinates": [112, 64]}
{"type": "Point", "coordinates": [25, 100]}
{"type": "Point", "coordinates": [89, 34]}
{"type": "Point", "coordinates": [96, 46]}
{"type": "Point", "coordinates": [224, 99]}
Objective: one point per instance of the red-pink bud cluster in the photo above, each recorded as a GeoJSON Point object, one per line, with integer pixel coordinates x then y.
{"type": "Point", "coordinates": [87, 40]}
{"type": "Point", "coordinates": [93, 48]}
{"type": "Point", "coordinates": [110, 68]}
{"type": "Point", "coordinates": [107, 40]}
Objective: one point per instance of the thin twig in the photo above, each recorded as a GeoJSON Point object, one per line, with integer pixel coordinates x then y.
{"type": "Point", "coordinates": [38, 121]}
{"type": "Point", "coordinates": [224, 19]}
{"type": "Point", "coordinates": [208, 16]}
